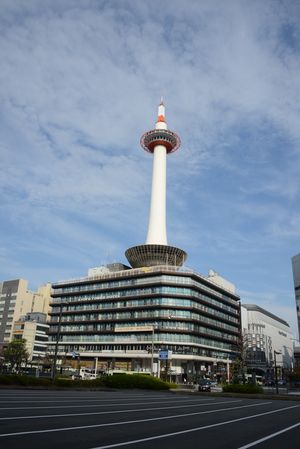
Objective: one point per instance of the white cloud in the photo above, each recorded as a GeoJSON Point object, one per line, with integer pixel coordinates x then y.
{"type": "Point", "coordinates": [79, 84]}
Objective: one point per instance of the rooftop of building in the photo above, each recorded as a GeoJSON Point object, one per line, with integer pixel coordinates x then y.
{"type": "Point", "coordinates": [255, 308]}
{"type": "Point", "coordinates": [109, 272]}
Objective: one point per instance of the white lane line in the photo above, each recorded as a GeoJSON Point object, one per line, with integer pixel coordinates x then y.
{"type": "Point", "coordinates": [94, 400]}
{"type": "Point", "coordinates": [195, 429]}
{"type": "Point", "coordinates": [92, 405]}
{"type": "Point", "coordinates": [119, 411]}
{"type": "Point", "coordinates": [73, 396]}
{"type": "Point", "coordinates": [160, 418]}
{"type": "Point", "coordinates": [268, 437]}
{"type": "Point", "coordinates": [73, 399]}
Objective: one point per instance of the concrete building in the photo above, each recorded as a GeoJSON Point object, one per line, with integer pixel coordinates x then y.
{"type": "Point", "coordinates": [17, 300]}
{"type": "Point", "coordinates": [154, 315]}
{"type": "Point", "coordinates": [41, 299]}
{"type": "Point", "coordinates": [34, 329]}
{"type": "Point", "coordinates": [126, 318]}
{"type": "Point", "coordinates": [296, 276]}
{"type": "Point", "coordinates": [266, 336]}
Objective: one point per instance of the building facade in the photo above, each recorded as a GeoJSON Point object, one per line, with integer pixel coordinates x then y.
{"type": "Point", "coordinates": [266, 336]}
{"type": "Point", "coordinates": [34, 329]}
{"type": "Point", "coordinates": [126, 318]}
{"type": "Point", "coordinates": [17, 300]}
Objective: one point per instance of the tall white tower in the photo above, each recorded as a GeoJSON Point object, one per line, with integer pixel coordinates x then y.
{"type": "Point", "coordinates": [156, 251]}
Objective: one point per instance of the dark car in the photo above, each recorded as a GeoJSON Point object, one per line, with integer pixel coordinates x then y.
{"type": "Point", "coordinates": [204, 385]}
{"type": "Point", "coordinates": [269, 383]}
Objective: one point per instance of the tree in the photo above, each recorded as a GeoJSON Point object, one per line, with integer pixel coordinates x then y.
{"type": "Point", "coordinates": [294, 376]}
{"type": "Point", "coordinates": [239, 366]}
{"type": "Point", "coordinates": [15, 354]}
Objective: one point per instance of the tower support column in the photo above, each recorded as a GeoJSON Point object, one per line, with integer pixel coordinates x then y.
{"type": "Point", "coordinates": [157, 228]}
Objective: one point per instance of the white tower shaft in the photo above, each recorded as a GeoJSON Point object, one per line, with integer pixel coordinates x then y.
{"type": "Point", "coordinates": [157, 228]}
{"type": "Point", "coordinates": [156, 252]}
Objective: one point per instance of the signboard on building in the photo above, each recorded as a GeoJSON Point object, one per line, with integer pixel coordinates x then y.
{"type": "Point", "coordinates": [134, 329]}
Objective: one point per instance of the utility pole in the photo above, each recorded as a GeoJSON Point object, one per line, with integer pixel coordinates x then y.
{"type": "Point", "coordinates": [53, 374]}
{"type": "Point", "coordinates": [152, 350]}
{"type": "Point", "coordinates": [276, 374]}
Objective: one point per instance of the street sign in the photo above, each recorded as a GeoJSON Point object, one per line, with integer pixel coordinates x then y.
{"type": "Point", "coordinates": [164, 355]}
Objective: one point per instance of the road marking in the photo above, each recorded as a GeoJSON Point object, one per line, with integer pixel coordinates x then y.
{"type": "Point", "coordinates": [268, 437]}
{"type": "Point", "coordinates": [92, 405]}
{"type": "Point", "coordinates": [73, 398]}
{"type": "Point", "coordinates": [195, 429]}
{"type": "Point", "coordinates": [119, 411]}
{"type": "Point", "coordinates": [102, 400]}
{"type": "Point", "coordinates": [91, 426]}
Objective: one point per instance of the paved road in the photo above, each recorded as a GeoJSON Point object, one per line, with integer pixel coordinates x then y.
{"type": "Point", "coordinates": [137, 419]}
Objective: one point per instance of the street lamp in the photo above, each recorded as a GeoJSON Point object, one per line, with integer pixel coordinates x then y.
{"type": "Point", "coordinates": [275, 367]}
{"type": "Point", "coordinates": [152, 351]}
{"type": "Point", "coordinates": [227, 370]}
{"type": "Point", "coordinates": [53, 374]}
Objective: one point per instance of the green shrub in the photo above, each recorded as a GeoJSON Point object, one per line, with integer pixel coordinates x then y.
{"type": "Point", "coordinates": [17, 379]}
{"type": "Point", "coordinates": [243, 388]}
{"type": "Point", "coordinates": [115, 381]}
{"type": "Point", "coordinates": [135, 381]}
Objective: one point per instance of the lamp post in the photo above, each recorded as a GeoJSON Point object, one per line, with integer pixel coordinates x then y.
{"type": "Point", "coordinates": [56, 345]}
{"type": "Point", "coordinates": [227, 370]}
{"type": "Point", "coordinates": [275, 367]}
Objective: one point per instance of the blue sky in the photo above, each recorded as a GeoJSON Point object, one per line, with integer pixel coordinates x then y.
{"type": "Point", "coordinates": [80, 82]}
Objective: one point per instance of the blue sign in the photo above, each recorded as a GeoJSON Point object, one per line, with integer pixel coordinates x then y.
{"type": "Point", "coordinates": [164, 355]}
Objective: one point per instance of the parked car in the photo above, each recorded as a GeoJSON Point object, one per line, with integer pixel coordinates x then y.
{"type": "Point", "coordinates": [204, 385]}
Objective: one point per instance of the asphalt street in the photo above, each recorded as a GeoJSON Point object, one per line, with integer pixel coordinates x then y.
{"type": "Point", "coordinates": [138, 419]}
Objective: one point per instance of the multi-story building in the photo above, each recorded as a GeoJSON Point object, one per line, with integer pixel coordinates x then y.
{"type": "Point", "coordinates": [296, 276]}
{"type": "Point", "coordinates": [265, 337]}
{"type": "Point", "coordinates": [17, 300]}
{"type": "Point", "coordinates": [34, 329]}
{"type": "Point", "coordinates": [125, 318]}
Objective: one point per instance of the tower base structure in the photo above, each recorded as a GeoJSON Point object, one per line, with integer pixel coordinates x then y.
{"type": "Point", "coordinates": [154, 255]}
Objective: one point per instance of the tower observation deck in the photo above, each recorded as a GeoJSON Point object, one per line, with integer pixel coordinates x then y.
{"type": "Point", "coordinates": [156, 251]}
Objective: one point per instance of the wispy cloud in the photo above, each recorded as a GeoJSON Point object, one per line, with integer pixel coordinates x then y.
{"type": "Point", "coordinates": [79, 84]}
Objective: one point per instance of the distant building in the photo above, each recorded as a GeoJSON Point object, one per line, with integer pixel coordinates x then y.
{"type": "Point", "coordinates": [296, 275]}
{"type": "Point", "coordinates": [17, 300]}
{"type": "Point", "coordinates": [33, 328]}
{"type": "Point", "coordinates": [264, 334]}
{"type": "Point", "coordinates": [41, 299]}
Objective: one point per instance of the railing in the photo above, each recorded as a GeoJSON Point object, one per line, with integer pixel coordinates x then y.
{"type": "Point", "coordinates": [134, 271]}
{"type": "Point", "coordinates": [157, 269]}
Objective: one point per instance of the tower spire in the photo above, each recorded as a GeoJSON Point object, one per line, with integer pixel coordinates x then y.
{"type": "Point", "coordinates": [161, 114]}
